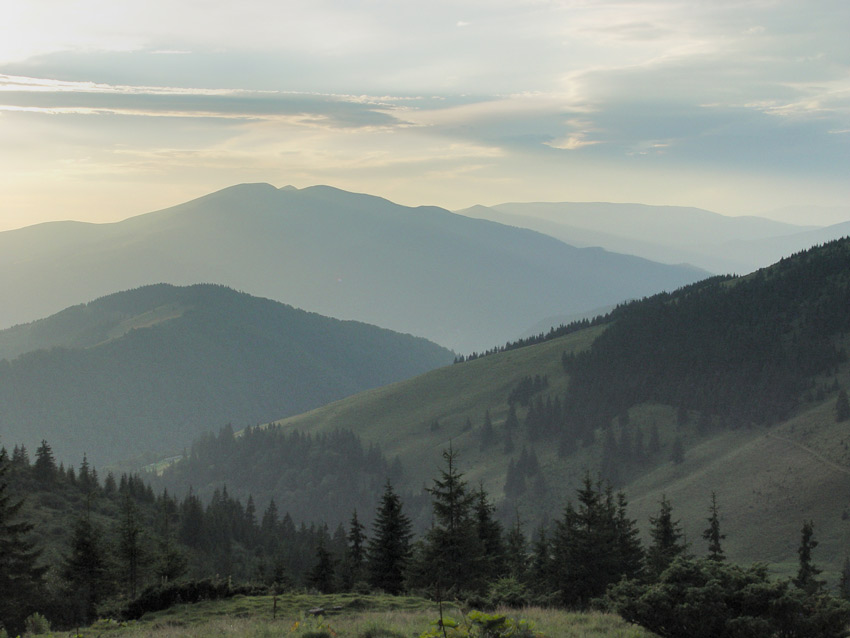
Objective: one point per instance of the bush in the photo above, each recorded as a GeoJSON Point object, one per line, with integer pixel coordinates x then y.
{"type": "Point", "coordinates": [477, 624]}
{"type": "Point", "coordinates": [36, 624]}
{"type": "Point", "coordinates": [710, 599]}
{"type": "Point", "coordinates": [508, 592]}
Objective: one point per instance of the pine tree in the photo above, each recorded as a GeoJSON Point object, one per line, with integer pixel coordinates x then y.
{"type": "Point", "coordinates": [389, 549]}
{"type": "Point", "coordinates": [85, 569]}
{"type": "Point", "coordinates": [489, 536]}
{"type": "Point", "coordinates": [44, 468]}
{"type": "Point", "coordinates": [355, 556]}
{"type": "Point", "coordinates": [712, 532]}
{"type": "Point", "coordinates": [322, 575]}
{"type": "Point", "coordinates": [20, 576]}
{"type": "Point", "coordinates": [131, 538]}
{"type": "Point", "coordinates": [452, 547]}
{"type": "Point", "coordinates": [667, 543]}
{"type": "Point", "coordinates": [517, 551]}
{"type": "Point", "coordinates": [594, 545]}
{"type": "Point", "coordinates": [806, 578]}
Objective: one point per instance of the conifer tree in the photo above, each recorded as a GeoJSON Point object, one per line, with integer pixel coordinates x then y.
{"type": "Point", "coordinates": [322, 575]}
{"type": "Point", "coordinates": [355, 556]}
{"type": "Point", "coordinates": [667, 543]}
{"type": "Point", "coordinates": [807, 573]}
{"type": "Point", "coordinates": [131, 548]}
{"type": "Point", "coordinates": [44, 467]}
{"type": "Point", "coordinates": [490, 537]}
{"type": "Point", "coordinates": [389, 549]}
{"type": "Point", "coordinates": [712, 532]}
{"type": "Point", "coordinates": [517, 551]}
{"type": "Point", "coordinates": [594, 545]}
{"type": "Point", "coordinates": [20, 576]}
{"type": "Point", "coordinates": [85, 569]}
{"type": "Point", "coordinates": [452, 547]}
{"type": "Point", "coordinates": [488, 434]}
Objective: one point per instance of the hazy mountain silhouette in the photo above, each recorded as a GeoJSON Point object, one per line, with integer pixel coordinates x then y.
{"type": "Point", "coordinates": [668, 234]}
{"type": "Point", "coordinates": [464, 283]}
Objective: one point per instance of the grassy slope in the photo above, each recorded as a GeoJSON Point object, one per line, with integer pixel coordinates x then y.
{"type": "Point", "coordinates": [766, 483]}
{"type": "Point", "coordinates": [399, 416]}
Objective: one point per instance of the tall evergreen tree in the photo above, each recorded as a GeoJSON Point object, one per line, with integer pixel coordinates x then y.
{"type": "Point", "coordinates": [452, 547]}
{"type": "Point", "coordinates": [807, 573]}
{"type": "Point", "coordinates": [594, 545]}
{"type": "Point", "coordinates": [131, 549]}
{"type": "Point", "coordinates": [21, 578]}
{"type": "Point", "coordinates": [490, 537]}
{"type": "Point", "coordinates": [667, 543]}
{"type": "Point", "coordinates": [517, 551]}
{"type": "Point", "coordinates": [85, 569]}
{"type": "Point", "coordinates": [353, 567]}
{"type": "Point", "coordinates": [322, 575]}
{"type": "Point", "coordinates": [44, 468]}
{"type": "Point", "coordinates": [389, 549]}
{"type": "Point", "coordinates": [712, 532]}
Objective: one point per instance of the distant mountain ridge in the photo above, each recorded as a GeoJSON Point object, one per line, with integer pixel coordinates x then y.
{"type": "Point", "coordinates": [464, 283]}
{"type": "Point", "coordinates": [668, 234]}
{"type": "Point", "coordinates": [150, 369]}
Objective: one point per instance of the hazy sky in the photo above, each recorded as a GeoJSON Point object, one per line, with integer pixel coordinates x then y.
{"type": "Point", "coordinates": [110, 108]}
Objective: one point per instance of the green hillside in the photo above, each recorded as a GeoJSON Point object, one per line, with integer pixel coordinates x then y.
{"type": "Point", "coordinates": [151, 369]}
{"type": "Point", "coordinates": [773, 461]}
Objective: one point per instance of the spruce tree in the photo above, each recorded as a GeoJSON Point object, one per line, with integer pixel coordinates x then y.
{"type": "Point", "coordinates": [807, 573]}
{"type": "Point", "coordinates": [452, 547]}
{"type": "Point", "coordinates": [667, 543]}
{"type": "Point", "coordinates": [594, 545]}
{"type": "Point", "coordinates": [85, 569]}
{"type": "Point", "coordinates": [517, 551]}
{"type": "Point", "coordinates": [20, 575]}
{"type": "Point", "coordinates": [712, 532]}
{"type": "Point", "coordinates": [389, 549]}
{"type": "Point", "coordinates": [44, 468]}
{"type": "Point", "coordinates": [322, 575]}
{"type": "Point", "coordinates": [355, 556]}
{"type": "Point", "coordinates": [490, 537]}
{"type": "Point", "coordinates": [131, 537]}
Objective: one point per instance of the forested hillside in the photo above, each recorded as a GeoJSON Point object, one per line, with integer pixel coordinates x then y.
{"type": "Point", "coordinates": [149, 370]}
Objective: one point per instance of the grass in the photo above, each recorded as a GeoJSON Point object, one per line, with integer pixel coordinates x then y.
{"type": "Point", "coordinates": [369, 616]}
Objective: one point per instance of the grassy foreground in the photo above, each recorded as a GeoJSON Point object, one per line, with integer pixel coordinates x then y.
{"type": "Point", "coordinates": [356, 616]}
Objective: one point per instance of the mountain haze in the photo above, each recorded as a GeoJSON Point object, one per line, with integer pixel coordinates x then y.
{"type": "Point", "coordinates": [669, 234]}
{"type": "Point", "coordinates": [149, 370]}
{"type": "Point", "coordinates": [467, 284]}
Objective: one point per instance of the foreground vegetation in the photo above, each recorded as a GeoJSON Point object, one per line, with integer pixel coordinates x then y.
{"type": "Point", "coordinates": [346, 616]}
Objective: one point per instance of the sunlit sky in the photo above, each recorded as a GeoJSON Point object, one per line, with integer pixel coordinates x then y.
{"type": "Point", "coordinates": [111, 108]}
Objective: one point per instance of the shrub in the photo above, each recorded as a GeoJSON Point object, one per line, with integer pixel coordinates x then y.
{"type": "Point", "coordinates": [36, 624]}
{"type": "Point", "coordinates": [709, 599]}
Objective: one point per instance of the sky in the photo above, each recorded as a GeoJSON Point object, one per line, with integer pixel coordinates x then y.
{"type": "Point", "coordinates": [114, 108]}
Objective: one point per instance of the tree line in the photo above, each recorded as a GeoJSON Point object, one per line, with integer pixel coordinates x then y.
{"type": "Point", "coordinates": [124, 538]}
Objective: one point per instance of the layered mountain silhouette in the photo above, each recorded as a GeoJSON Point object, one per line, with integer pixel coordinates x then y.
{"type": "Point", "coordinates": [668, 234]}
{"type": "Point", "coordinates": [467, 284]}
{"type": "Point", "coordinates": [151, 369]}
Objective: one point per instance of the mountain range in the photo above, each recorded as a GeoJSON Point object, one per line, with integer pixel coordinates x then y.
{"type": "Point", "coordinates": [668, 234]}
{"type": "Point", "coordinates": [467, 284]}
{"type": "Point", "coordinates": [151, 369]}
